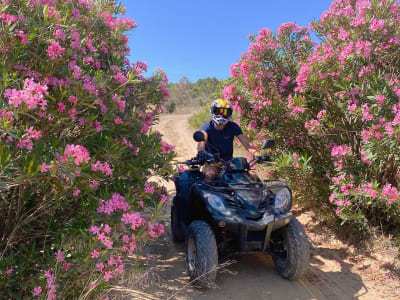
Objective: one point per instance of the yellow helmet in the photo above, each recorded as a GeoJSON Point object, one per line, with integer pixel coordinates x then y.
{"type": "Point", "coordinates": [221, 111]}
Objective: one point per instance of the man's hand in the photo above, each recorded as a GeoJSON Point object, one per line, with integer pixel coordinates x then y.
{"type": "Point", "coordinates": [245, 142]}
{"type": "Point", "coordinates": [202, 156]}
{"type": "Point", "coordinates": [253, 152]}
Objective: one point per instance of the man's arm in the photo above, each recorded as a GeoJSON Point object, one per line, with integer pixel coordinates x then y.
{"type": "Point", "coordinates": [245, 142]}
{"type": "Point", "coordinates": [201, 146]}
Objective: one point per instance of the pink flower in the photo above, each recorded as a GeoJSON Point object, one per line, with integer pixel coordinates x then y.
{"type": "Point", "coordinates": [107, 229]}
{"type": "Point", "coordinates": [95, 254]}
{"type": "Point", "coordinates": [55, 50]}
{"type": "Point", "coordinates": [75, 13]}
{"type": "Point", "coordinates": [72, 99]}
{"type": "Point", "coordinates": [61, 106]}
{"type": "Point", "coordinates": [365, 111]}
{"type": "Point", "coordinates": [134, 219]}
{"type": "Point", "coordinates": [9, 271]}
{"type": "Point", "coordinates": [117, 120]}
{"type": "Point", "coordinates": [34, 134]}
{"type": "Point", "coordinates": [50, 277]}
{"type": "Point", "coordinates": [391, 191]}
{"type": "Point", "coordinates": [108, 275]}
{"type": "Point", "coordinates": [32, 95]}
{"type": "Point", "coordinates": [343, 34]}
{"type": "Point", "coordinates": [76, 192]}
{"type": "Point", "coordinates": [155, 230]}
{"type": "Point", "coordinates": [321, 114]}
{"type": "Point", "coordinates": [332, 197]}
{"type": "Point", "coordinates": [78, 153]}
{"type": "Point", "coordinates": [94, 229]}
{"type": "Point", "coordinates": [376, 24]}
{"type": "Point", "coordinates": [100, 267]}
{"type": "Point", "coordinates": [163, 198]}
{"type": "Point", "coordinates": [295, 156]}
{"type": "Point", "coordinates": [22, 36]}
{"type": "Point", "coordinates": [91, 285]}
{"type": "Point", "coordinates": [340, 150]}
{"type": "Point", "coordinates": [37, 291]}
{"type": "Point", "coordinates": [148, 188]}
{"type": "Point", "coordinates": [60, 34]}
{"type": "Point", "coordinates": [252, 125]}
{"type": "Point", "coordinates": [165, 147]}
{"type": "Point", "coordinates": [66, 266]}
{"type": "Point", "coordinates": [117, 202]}
{"type": "Point", "coordinates": [227, 91]}
{"type": "Point", "coordinates": [44, 168]}
{"type": "Point", "coordinates": [59, 256]}
{"type": "Point", "coordinates": [380, 98]}
{"type": "Point", "coordinates": [93, 184]}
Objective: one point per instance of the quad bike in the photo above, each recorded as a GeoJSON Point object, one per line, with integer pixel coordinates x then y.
{"type": "Point", "coordinates": [237, 213]}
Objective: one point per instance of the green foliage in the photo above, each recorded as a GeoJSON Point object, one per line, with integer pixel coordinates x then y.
{"type": "Point", "coordinates": [75, 134]}
{"type": "Point", "coordinates": [187, 94]}
{"type": "Point", "coordinates": [199, 117]}
{"type": "Point", "coordinates": [336, 102]}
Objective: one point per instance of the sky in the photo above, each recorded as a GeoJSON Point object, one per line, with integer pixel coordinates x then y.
{"type": "Point", "coordinates": [203, 38]}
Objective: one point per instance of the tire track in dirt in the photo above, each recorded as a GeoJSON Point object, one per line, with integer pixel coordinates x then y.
{"type": "Point", "coordinates": [251, 276]}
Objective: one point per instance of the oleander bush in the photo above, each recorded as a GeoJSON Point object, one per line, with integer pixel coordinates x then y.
{"type": "Point", "coordinates": [333, 107]}
{"type": "Point", "coordinates": [76, 148]}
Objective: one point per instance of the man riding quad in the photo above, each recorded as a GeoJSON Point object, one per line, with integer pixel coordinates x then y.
{"type": "Point", "coordinates": [225, 209]}
{"type": "Point", "coordinates": [219, 134]}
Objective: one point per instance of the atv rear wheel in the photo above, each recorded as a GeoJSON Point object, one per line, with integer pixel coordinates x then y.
{"type": "Point", "coordinates": [177, 233]}
{"type": "Point", "coordinates": [201, 254]}
{"type": "Point", "coordinates": [291, 250]}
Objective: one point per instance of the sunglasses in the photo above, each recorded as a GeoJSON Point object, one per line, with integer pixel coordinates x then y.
{"type": "Point", "coordinates": [221, 111]}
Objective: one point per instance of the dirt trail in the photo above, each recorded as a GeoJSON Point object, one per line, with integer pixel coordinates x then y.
{"type": "Point", "coordinates": [330, 275]}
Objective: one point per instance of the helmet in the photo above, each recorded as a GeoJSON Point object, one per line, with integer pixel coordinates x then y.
{"type": "Point", "coordinates": [221, 111]}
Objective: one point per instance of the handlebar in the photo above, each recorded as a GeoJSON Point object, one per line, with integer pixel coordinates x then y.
{"type": "Point", "coordinates": [194, 161]}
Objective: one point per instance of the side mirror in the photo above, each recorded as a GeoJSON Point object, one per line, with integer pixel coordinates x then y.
{"type": "Point", "coordinates": [268, 144]}
{"type": "Point", "coordinates": [198, 136]}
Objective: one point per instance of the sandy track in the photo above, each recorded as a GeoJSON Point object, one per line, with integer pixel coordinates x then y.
{"type": "Point", "coordinates": [251, 276]}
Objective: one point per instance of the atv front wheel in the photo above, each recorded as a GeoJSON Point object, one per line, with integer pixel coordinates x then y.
{"type": "Point", "coordinates": [291, 250]}
{"type": "Point", "coordinates": [201, 254]}
{"type": "Point", "coordinates": [177, 233]}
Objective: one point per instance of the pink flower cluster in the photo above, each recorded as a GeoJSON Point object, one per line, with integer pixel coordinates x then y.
{"type": "Point", "coordinates": [148, 188]}
{"type": "Point", "coordinates": [102, 167]}
{"type": "Point", "coordinates": [341, 150]}
{"type": "Point", "coordinates": [133, 219]}
{"type": "Point", "coordinates": [32, 95]}
{"type": "Point", "coordinates": [54, 50]}
{"type": "Point", "coordinates": [155, 229]}
{"type": "Point", "coordinates": [78, 153]}
{"type": "Point", "coordinates": [165, 147]}
{"type": "Point", "coordinates": [113, 267]}
{"type": "Point", "coordinates": [116, 203]}
{"type": "Point", "coordinates": [391, 192]}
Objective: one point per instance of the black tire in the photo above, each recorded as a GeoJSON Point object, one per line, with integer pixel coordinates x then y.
{"type": "Point", "coordinates": [201, 254]}
{"type": "Point", "coordinates": [293, 261]}
{"type": "Point", "coordinates": [177, 234]}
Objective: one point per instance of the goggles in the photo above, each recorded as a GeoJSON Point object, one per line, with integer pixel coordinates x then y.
{"type": "Point", "coordinates": [222, 111]}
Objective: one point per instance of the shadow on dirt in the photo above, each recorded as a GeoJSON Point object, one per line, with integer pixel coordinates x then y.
{"type": "Point", "coordinates": [341, 283]}
{"type": "Point", "coordinates": [251, 276]}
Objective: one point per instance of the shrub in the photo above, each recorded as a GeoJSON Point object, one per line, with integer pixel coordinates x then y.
{"type": "Point", "coordinates": [76, 148]}
{"type": "Point", "coordinates": [332, 104]}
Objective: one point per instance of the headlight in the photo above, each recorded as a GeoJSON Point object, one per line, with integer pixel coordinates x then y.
{"type": "Point", "coordinates": [283, 201]}
{"type": "Point", "coordinates": [217, 203]}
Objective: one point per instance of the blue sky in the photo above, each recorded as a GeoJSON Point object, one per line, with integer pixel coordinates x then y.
{"type": "Point", "coordinates": [202, 38]}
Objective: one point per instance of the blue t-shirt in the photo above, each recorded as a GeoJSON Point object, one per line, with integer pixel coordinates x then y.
{"type": "Point", "coordinates": [221, 139]}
